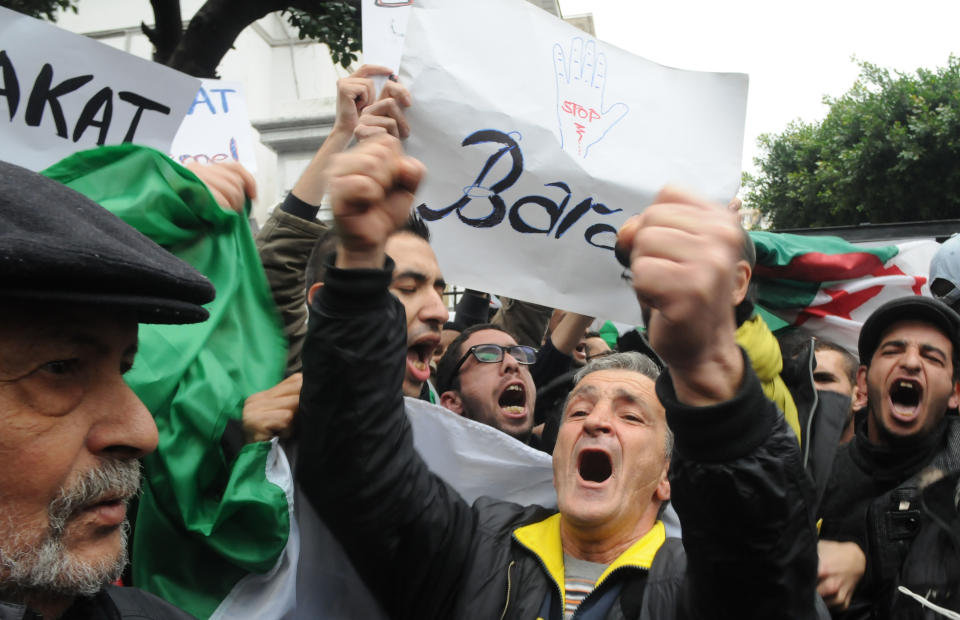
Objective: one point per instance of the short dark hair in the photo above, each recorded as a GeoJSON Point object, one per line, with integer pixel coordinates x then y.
{"type": "Point", "coordinates": [446, 379]}
{"type": "Point", "coordinates": [326, 245]}
{"type": "Point", "coordinates": [849, 360]}
{"type": "Point", "coordinates": [415, 226]}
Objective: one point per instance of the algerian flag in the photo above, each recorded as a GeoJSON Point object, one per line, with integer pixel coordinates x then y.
{"type": "Point", "coordinates": [829, 285]}
{"type": "Point", "coordinates": [205, 521]}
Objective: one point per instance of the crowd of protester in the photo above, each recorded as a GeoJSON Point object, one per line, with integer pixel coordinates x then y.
{"type": "Point", "coordinates": [704, 466]}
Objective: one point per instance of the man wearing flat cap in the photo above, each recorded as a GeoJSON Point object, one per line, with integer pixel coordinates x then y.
{"type": "Point", "coordinates": [905, 438]}
{"type": "Point", "coordinates": [75, 281]}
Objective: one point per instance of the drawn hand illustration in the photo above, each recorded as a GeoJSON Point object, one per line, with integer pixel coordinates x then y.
{"type": "Point", "coordinates": [581, 81]}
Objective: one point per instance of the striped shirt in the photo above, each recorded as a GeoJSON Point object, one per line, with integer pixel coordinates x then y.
{"type": "Point", "coordinates": [580, 577]}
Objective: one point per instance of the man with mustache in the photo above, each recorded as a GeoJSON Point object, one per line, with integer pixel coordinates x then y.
{"type": "Point", "coordinates": [75, 281]}
{"type": "Point", "coordinates": [735, 476]}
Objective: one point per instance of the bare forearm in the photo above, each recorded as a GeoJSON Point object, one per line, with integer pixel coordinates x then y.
{"type": "Point", "coordinates": [312, 184]}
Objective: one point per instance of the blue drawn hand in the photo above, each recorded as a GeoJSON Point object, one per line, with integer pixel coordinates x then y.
{"type": "Point", "coordinates": [581, 80]}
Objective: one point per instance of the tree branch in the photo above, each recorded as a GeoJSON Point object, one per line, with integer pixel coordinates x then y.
{"type": "Point", "coordinates": [213, 30]}
{"type": "Point", "coordinates": [167, 30]}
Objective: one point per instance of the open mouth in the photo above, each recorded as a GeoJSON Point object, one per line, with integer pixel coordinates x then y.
{"type": "Point", "coordinates": [513, 400]}
{"type": "Point", "coordinates": [905, 395]}
{"type": "Point", "coordinates": [595, 466]}
{"type": "Point", "coordinates": [418, 358]}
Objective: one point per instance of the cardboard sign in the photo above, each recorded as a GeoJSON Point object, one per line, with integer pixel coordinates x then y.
{"type": "Point", "coordinates": [216, 128]}
{"type": "Point", "coordinates": [61, 93]}
{"type": "Point", "coordinates": [540, 141]}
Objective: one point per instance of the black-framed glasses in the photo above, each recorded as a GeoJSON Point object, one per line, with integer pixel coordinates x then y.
{"type": "Point", "coordinates": [493, 353]}
{"type": "Point", "coordinates": [599, 354]}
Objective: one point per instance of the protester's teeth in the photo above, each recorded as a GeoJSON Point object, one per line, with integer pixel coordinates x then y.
{"type": "Point", "coordinates": [514, 388]}
{"type": "Point", "coordinates": [513, 409]}
{"type": "Point", "coordinates": [419, 365]}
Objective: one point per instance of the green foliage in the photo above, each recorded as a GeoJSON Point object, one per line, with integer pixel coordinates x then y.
{"type": "Point", "coordinates": [334, 23]}
{"type": "Point", "coordinates": [888, 151]}
{"type": "Point", "coordinates": [40, 8]}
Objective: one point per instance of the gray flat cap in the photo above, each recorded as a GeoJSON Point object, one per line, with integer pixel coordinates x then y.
{"type": "Point", "coordinates": [56, 245]}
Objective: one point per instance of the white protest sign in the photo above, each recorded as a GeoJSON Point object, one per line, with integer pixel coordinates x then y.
{"type": "Point", "coordinates": [216, 127]}
{"type": "Point", "coordinates": [540, 141]}
{"type": "Point", "coordinates": [384, 28]}
{"type": "Point", "coordinates": [61, 93]}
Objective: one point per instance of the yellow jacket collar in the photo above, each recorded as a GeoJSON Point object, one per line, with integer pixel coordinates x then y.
{"type": "Point", "coordinates": [543, 540]}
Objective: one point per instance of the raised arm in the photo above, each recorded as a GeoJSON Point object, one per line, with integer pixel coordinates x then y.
{"type": "Point", "coordinates": [292, 232]}
{"type": "Point", "coordinates": [736, 478]}
{"type": "Point", "coordinates": [407, 532]}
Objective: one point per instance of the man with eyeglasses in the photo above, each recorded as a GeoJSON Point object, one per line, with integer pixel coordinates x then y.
{"type": "Point", "coordinates": [736, 477]}
{"type": "Point", "coordinates": [592, 347]}
{"type": "Point", "coordinates": [485, 376]}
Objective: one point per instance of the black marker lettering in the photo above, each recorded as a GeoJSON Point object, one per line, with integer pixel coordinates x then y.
{"type": "Point", "coordinates": [142, 104]}
{"type": "Point", "coordinates": [102, 100]}
{"type": "Point", "coordinates": [43, 95]}
{"type": "Point", "coordinates": [11, 87]}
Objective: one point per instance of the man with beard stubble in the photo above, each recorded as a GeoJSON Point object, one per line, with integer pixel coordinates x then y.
{"type": "Point", "coordinates": [76, 281]}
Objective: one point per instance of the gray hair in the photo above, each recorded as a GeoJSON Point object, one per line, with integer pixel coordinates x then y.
{"type": "Point", "coordinates": [627, 360]}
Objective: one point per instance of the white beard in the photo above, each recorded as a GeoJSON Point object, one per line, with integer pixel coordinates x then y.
{"type": "Point", "coordinates": [44, 565]}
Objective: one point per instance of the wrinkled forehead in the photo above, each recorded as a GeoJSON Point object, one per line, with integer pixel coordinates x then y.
{"type": "Point", "coordinates": [921, 332]}
{"type": "Point", "coordinates": [412, 254]}
{"type": "Point", "coordinates": [618, 386]}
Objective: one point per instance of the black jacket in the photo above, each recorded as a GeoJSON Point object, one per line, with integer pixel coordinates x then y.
{"type": "Point", "coordinates": [737, 483]}
{"type": "Point", "coordinates": [111, 603]}
{"type": "Point", "coordinates": [873, 499]}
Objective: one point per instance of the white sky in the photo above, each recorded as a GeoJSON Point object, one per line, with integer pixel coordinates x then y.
{"type": "Point", "coordinates": [794, 52]}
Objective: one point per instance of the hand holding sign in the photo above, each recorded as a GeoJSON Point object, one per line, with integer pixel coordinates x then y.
{"type": "Point", "coordinates": [581, 80]}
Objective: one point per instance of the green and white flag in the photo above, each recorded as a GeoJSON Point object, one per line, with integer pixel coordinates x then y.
{"type": "Point", "coordinates": [829, 285]}
{"type": "Point", "coordinates": [208, 519]}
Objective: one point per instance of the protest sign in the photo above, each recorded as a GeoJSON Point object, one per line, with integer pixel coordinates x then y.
{"type": "Point", "coordinates": [384, 26]}
{"type": "Point", "coordinates": [216, 127]}
{"type": "Point", "coordinates": [61, 93]}
{"type": "Point", "coordinates": [540, 141]}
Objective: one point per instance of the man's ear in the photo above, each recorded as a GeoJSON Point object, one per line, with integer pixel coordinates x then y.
{"type": "Point", "coordinates": [451, 400]}
{"type": "Point", "coordinates": [741, 281]}
{"type": "Point", "coordinates": [663, 487]}
{"type": "Point", "coordinates": [954, 401]}
{"type": "Point", "coordinates": [313, 291]}
{"type": "Point", "coordinates": [861, 399]}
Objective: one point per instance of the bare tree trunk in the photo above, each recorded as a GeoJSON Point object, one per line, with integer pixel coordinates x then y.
{"type": "Point", "coordinates": [167, 30]}
{"type": "Point", "coordinates": [213, 30]}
